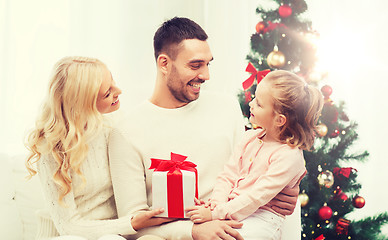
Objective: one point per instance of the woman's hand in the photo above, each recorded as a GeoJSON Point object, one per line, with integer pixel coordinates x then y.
{"type": "Point", "coordinates": [147, 219]}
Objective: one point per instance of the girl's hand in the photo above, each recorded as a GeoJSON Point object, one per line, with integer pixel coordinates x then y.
{"type": "Point", "coordinates": [199, 201]}
{"type": "Point", "coordinates": [212, 205]}
{"type": "Point", "coordinates": [199, 214]}
{"type": "Point", "coordinates": [147, 219]}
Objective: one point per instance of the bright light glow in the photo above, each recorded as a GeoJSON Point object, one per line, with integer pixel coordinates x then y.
{"type": "Point", "coordinates": [339, 50]}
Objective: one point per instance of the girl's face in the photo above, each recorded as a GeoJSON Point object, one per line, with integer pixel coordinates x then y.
{"type": "Point", "coordinates": [108, 95]}
{"type": "Point", "coordinates": [261, 107]}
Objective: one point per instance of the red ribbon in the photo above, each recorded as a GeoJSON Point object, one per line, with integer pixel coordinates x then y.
{"type": "Point", "coordinates": [174, 180]}
{"type": "Point", "coordinates": [248, 97]}
{"type": "Point", "coordinates": [343, 172]}
{"type": "Point", "coordinates": [271, 26]}
{"type": "Point", "coordinates": [259, 74]}
{"type": "Point", "coordinates": [321, 237]}
{"type": "Point", "coordinates": [342, 226]}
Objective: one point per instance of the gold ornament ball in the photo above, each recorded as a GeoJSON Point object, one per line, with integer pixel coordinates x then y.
{"type": "Point", "coordinates": [326, 179]}
{"type": "Point", "coordinates": [276, 59]}
{"type": "Point", "coordinates": [304, 199]}
{"type": "Point", "coordinates": [321, 129]}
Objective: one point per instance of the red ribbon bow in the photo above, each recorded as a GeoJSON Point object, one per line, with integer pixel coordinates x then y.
{"type": "Point", "coordinates": [271, 26]}
{"type": "Point", "coordinates": [343, 172]}
{"type": "Point", "coordinates": [342, 226]}
{"type": "Point", "coordinates": [259, 74]}
{"type": "Point", "coordinates": [321, 237]}
{"type": "Point", "coordinates": [173, 168]}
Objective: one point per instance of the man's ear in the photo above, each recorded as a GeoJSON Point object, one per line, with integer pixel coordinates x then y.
{"type": "Point", "coordinates": [280, 120]}
{"type": "Point", "coordinates": [162, 63]}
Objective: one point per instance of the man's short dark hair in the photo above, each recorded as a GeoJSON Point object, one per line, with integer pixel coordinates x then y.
{"type": "Point", "coordinates": [174, 31]}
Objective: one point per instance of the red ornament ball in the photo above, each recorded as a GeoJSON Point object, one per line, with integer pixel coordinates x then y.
{"type": "Point", "coordinates": [343, 196]}
{"type": "Point", "coordinates": [260, 26]}
{"type": "Point", "coordinates": [325, 213]}
{"type": "Point", "coordinates": [335, 133]}
{"type": "Point", "coordinates": [285, 11]}
{"type": "Point", "coordinates": [326, 91]}
{"type": "Point", "coordinates": [358, 202]}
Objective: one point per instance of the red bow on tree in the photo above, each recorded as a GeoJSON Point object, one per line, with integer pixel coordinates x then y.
{"type": "Point", "coordinates": [343, 172]}
{"type": "Point", "coordinates": [271, 26]}
{"type": "Point", "coordinates": [259, 74]}
{"type": "Point", "coordinates": [321, 237]}
{"type": "Point", "coordinates": [342, 226]}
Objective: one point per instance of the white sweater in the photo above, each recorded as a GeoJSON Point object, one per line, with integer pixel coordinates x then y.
{"type": "Point", "coordinates": [205, 130]}
{"type": "Point", "coordinates": [90, 210]}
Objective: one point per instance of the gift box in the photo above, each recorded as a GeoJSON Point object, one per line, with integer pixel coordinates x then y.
{"type": "Point", "coordinates": [174, 185]}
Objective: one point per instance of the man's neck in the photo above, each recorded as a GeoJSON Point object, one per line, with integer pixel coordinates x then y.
{"type": "Point", "coordinates": [163, 101]}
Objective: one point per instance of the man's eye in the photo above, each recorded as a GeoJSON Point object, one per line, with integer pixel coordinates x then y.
{"type": "Point", "coordinates": [195, 66]}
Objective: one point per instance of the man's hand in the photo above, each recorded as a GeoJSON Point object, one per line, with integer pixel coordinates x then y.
{"type": "Point", "coordinates": [199, 214]}
{"type": "Point", "coordinates": [285, 202]}
{"type": "Point", "coordinates": [217, 230]}
{"type": "Point", "coordinates": [147, 219]}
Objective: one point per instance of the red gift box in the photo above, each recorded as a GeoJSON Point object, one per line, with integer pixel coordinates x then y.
{"type": "Point", "coordinates": [174, 185]}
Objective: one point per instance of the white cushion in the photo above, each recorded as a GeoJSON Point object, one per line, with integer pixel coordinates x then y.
{"type": "Point", "coordinates": [10, 222]}
{"type": "Point", "coordinates": [292, 226]}
{"type": "Point", "coordinates": [28, 195]}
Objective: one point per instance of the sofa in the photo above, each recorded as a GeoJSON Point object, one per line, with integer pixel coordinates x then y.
{"type": "Point", "coordinates": [21, 198]}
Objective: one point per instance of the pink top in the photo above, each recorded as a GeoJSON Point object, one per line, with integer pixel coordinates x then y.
{"type": "Point", "coordinates": [256, 173]}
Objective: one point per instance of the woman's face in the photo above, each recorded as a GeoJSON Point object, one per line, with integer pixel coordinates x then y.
{"type": "Point", "coordinates": [108, 95]}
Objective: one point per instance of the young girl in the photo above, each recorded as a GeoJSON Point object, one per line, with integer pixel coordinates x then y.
{"type": "Point", "coordinates": [286, 110]}
{"type": "Point", "coordinates": [69, 144]}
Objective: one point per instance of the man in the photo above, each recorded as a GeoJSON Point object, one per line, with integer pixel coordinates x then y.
{"type": "Point", "coordinates": [176, 119]}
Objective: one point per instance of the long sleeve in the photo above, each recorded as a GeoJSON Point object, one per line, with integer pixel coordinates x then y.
{"type": "Point", "coordinates": [255, 187]}
{"type": "Point", "coordinates": [127, 171]}
{"type": "Point", "coordinates": [227, 179]}
{"type": "Point", "coordinates": [87, 211]}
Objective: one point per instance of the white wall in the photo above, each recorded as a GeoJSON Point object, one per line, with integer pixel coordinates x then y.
{"type": "Point", "coordinates": [355, 37]}
{"type": "Point", "coordinates": [35, 34]}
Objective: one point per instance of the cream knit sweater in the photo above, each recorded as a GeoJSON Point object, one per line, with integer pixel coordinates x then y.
{"type": "Point", "coordinates": [90, 211]}
{"type": "Point", "coordinates": [204, 130]}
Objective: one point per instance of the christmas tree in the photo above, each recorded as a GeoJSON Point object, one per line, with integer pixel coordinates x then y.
{"type": "Point", "coordinates": [330, 191]}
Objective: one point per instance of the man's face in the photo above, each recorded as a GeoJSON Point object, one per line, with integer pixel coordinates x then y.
{"type": "Point", "coordinates": [189, 70]}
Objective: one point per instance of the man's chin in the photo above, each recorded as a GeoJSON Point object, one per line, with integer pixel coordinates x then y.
{"type": "Point", "coordinates": [191, 97]}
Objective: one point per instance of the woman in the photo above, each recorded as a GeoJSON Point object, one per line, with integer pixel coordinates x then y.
{"type": "Point", "coordinates": [69, 145]}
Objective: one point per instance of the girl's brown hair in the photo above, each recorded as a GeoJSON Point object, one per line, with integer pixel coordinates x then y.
{"type": "Point", "coordinates": [300, 103]}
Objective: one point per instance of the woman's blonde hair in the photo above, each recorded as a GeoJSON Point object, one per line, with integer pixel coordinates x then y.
{"type": "Point", "coordinates": [300, 103]}
{"type": "Point", "coordinates": [69, 118]}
